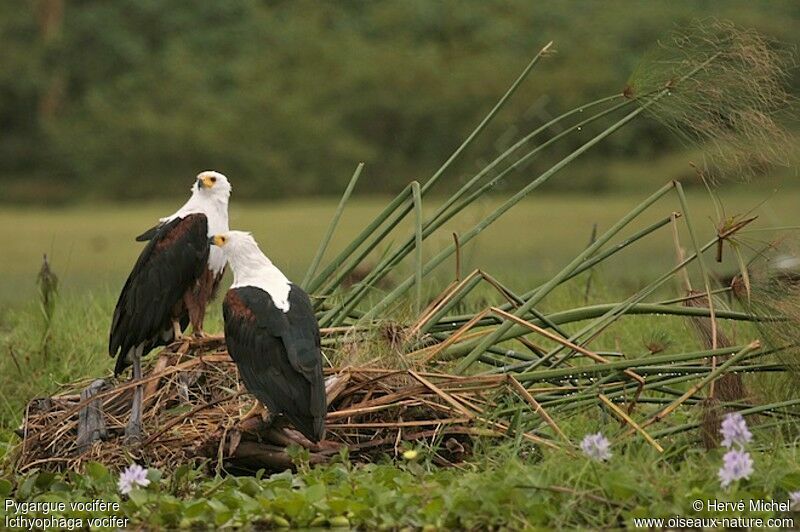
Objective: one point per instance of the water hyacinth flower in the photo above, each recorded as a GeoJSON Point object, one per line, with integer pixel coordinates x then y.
{"type": "Point", "coordinates": [794, 500]}
{"type": "Point", "coordinates": [133, 477]}
{"type": "Point", "coordinates": [737, 465]}
{"type": "Point", "coordinates": [734, 430]}
{"type": "Point", "coordinates": [596, 447]}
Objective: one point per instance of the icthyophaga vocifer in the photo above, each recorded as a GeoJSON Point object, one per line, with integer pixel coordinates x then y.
{"type": "Point", "coordinates": [273, 336]}
{"type": "Point", "coordinates": [172, 281]}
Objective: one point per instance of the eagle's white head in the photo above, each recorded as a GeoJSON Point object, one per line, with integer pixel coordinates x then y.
{"type": "Point", "coordinates": [240, 249]}
{"type": "Point", "coordinates": [236, 242]}
{"type": "Point", "coordinates": [211, 192]}
{"type": "Point", "coordinates": [251, 267]}
{"type": "Point", "coordinates": [212, 185]}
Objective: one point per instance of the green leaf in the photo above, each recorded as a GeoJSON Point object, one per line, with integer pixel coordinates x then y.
{"type": "Point", "coordinates": [5, 488]}
{"type": "Point", "coordinates": [790, 481]}
{"type": "Point", "coordinates": [169, 506]}
{"type": "Point", "coordinates": [315, 493]}
{"type": "Point", "coordinates": [339, 521]}
{"type": "Point", "coordinates": [293, 506]}
{"type": "Point", "coordinates": [280, 522]}
{"type": "Point", "coordinates": [250, 486]}
{"type": "Point", "coordinates": [154, 476]}
{"type": "Point", "coordinates": [618, 484]}
{"type": "Point", "coordinates": [24, 490]}
{"type": "Point", "coordinates": [96, 471]}
{"type": "Point", "coordinates": [318, 522]}
{"type": "Point", "coordinates": [339, 505]}
{"type": "Point", "coordinates": [434, 508]}
{"type": "Point", "coordinates": [44, 480]}
{"type": "Point", "coordinates": [196, 509]}
{"type": "Point", "coordinates": [138, 497]}
{"type": "Point", "coordinates": [217, 506]}
{"type": "Point", "coordinates": [60, 486]}
{"type": "Point", "coordinates": [220, 518]}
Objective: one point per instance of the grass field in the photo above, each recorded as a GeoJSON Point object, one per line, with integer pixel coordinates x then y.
{"type": "Point", "coordinates": [92, 248]}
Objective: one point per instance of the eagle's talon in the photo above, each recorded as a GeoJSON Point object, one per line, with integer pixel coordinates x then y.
{"type": "Point", "coordinates": [177, 332]}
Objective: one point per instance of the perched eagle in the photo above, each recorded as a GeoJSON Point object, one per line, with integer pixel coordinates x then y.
{"type": "Point", "coordinates": [172, 281]}
{"type": "Point", "coordinates": [273, 336]}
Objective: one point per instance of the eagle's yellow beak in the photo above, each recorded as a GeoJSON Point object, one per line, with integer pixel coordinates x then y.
{"type": "Point", "coordinates": [218, 240]}
{"type": "Point", "coordinates": [205, 181]}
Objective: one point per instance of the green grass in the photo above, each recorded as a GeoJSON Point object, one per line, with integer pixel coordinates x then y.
{"type": "Point", "coordinates": [92, 248]}
{"type": "Point", "coordinates": [538, 492]}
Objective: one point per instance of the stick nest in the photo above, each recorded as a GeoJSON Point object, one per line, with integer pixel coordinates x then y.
{"type": "Point", "coordinates": [195, 410]}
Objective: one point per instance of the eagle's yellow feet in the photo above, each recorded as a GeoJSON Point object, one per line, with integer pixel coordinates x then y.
{"type": "Point", "coordinates": [177, 332]}
{"type": "Point", "coordinates": [200, 334]}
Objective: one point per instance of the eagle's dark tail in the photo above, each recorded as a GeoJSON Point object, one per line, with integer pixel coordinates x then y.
{"type": "Point", "coordinates": [312, 428]}
{"type": "Point", "coordinates": [121, 364]}
{"type": "Point", "coordinates": [311, 423]}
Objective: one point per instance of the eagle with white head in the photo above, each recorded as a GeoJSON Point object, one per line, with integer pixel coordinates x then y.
{"type": "Point", "coordinates": [273, 336]}
{"type": "Point", "coordinates": [172, 281]}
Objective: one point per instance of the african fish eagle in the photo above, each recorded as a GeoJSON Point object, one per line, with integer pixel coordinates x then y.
{"type": "Point", "coordinates": [172, 281]}
{"type": "Point", "coordinates": [273, 336]}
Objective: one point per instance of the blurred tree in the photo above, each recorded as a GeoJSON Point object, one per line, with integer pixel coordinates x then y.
{"type": "Point", "coordinates": [131, 98]}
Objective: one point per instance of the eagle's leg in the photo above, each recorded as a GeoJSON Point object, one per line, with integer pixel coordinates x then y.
{"type": "Point", "coordinates": [176, 316]}
{"type": "Point", "coordinates": [195, 301]}
{"type": "Point", "coordinates": [177, 333]}
{"type": "Point", "coordinates": [133, 431]}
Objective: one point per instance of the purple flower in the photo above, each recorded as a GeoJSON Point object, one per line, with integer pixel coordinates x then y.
{"type": "Point", "coordinates": [794, 499]}
{"type": "Point", "coordinates": [737, 465]}
{"type": "Point", "coordinates": [596, 447]}
{"type": "Point", "coordinates": [134, 476]}
{"type": "Point", "coordinates": [734, 430]}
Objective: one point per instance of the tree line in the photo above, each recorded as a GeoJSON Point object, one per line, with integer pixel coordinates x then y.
{"type": "Point", "coordinates": [125, 99]}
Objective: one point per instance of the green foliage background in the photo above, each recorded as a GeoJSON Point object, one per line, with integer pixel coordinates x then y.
{"type": "Point", "coordinates": [128, 99]}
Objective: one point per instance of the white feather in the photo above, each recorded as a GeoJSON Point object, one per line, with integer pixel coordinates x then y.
{"type": "Point", "coordinates": [252, 268]}
{"type": "Point", "coordinates": [213, 202]}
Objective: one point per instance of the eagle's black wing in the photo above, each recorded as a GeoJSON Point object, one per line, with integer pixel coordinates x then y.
{"type": "Point", "coordinates": [169, 264]}
{"type": "Point", "coordinates": [278, 355]}
{"type": "Point", "coordinates": [150, 233]}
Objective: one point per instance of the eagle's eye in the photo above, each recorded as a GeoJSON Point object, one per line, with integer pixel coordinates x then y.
{"type": "Point", "coordinates": [213, 179]}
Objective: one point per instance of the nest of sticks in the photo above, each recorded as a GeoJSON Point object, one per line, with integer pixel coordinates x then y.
{"type": "Point", "coordinates": [195, 410]}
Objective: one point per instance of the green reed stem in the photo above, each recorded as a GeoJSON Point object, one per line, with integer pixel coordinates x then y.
{"type": "Point", "coordinates": [312, 269]}
{"type": "Point", "coordinates": [415, 191]}
{"type": "Point", "coordinates": [376, 222]}
{"type": "Point", "coordinates": [488, 118]}
{"type": "Point", "coordinates": [700, 261]}
{"type": "Point", "coordinates": [442, 214]}
{"type": "Point", "coordinates": [545, 289]}
{"type": "Point", "coordinates": [333, 265]}
{"type": "Point", "coordinates": [595, 311]}
{"type": "Point", "coordinates": [590, 263]}
{"type": "Point", "coordinates": [744, 411]}
{"type": "Point", "coordinates": [486, 222]}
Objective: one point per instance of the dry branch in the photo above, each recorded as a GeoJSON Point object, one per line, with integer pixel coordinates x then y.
{"type": "Point", "coordinates": [194, 405]}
